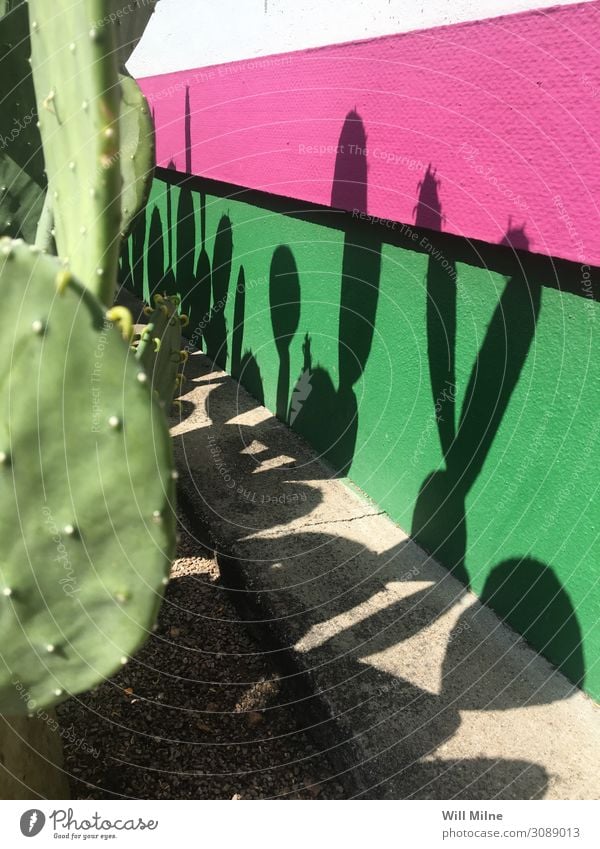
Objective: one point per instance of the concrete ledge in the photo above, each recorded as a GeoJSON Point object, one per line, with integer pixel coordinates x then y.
{"type": "Point", "coordinates": [422, 692]}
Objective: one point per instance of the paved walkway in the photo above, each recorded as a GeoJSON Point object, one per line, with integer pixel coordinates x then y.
{"type": "Point", "coordinates": [423, 693]}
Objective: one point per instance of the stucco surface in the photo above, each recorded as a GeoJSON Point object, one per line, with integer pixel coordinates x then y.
{"type": "Point", "coordinates": [503, 112]}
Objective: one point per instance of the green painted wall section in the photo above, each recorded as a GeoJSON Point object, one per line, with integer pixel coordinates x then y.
{"type": "Point", "coordinates": [457, 385]}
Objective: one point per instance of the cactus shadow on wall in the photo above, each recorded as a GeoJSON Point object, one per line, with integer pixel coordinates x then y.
{"type": "Point", "coordinates": [215, 332]}
{"type": "Point", "coordinates": [197, 298]}
{"type": "Point", "coordinates": [192, 283]}
{"type": "Point", "coordinates": [182, 256]}
{"type": "Point", "coordinates": [529, 597]}
{"type": "Point", "coordinates": [418, 722]}
{"type": "Point", "coordinates": [244, 367]}
{"type": "Point", "coordinates": [327, 416]}
{"type": "Point", "coordinates": [212, 292]}
{"type": "Point", "coordinates": [132, 259]}
{"type": "Point", "coordinates": [158, 278]}
{"type": "Point", "coordinates": [332, 575]}
{"type": "Point", "coordinates": [284, 301]}
{"type": "Point", "coordinates": [439, 518]}
{"type": "Point", "coordinates": [190, 279]}
{"type": "Point", "coordinates": [205, 285]}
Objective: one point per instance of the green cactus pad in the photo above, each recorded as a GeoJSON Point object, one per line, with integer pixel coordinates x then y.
{"type": "Point", "coordinates": [137, 151]}
{"type": "Point", "coordinates": [86, 488]}
{"type": "Point", "coordinates": [159, 348]}
{"type": "Point", "coordinates": [22, 181]}
{"type": "Point", "coordinates": [74, 68]}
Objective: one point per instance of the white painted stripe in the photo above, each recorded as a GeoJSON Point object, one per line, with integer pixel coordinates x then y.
{"type": "Point", "coordinates": [187, 34]}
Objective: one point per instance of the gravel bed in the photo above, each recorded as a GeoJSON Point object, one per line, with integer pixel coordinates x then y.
{"type": "Point", "coordinates": [199, 713]}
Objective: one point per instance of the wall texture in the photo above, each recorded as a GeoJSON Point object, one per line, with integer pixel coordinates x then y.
{"type": "Point", "coordinates": [504, 111]}
{"type": "Point", "coordinates": [456, 383]}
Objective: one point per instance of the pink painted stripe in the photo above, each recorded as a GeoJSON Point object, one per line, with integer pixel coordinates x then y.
{"type": "Point", "coordinates": [507, 111]}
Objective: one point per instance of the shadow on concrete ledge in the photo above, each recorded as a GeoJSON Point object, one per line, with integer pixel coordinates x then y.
{"type": "Point", "coordinates": [412, 687]}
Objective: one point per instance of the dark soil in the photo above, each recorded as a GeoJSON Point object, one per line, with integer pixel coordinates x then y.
{"type": "Point", "coordinates": [199, 713]}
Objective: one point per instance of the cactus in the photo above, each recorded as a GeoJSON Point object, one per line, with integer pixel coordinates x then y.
{"type": "Point", "coordinates": [137, 152]}
{"type": "Point", "coordinates": [76, 80]}
{"type": "Point", "coordinates": [87, 520]}
{"type": "Point", "coordinates": [96, 131]}
{"type": "Point", "coordinates": [85, 505]}
{"type": "Point", "coordinates": [22, 181]}
{"type": "Point", "coordinates": [158, 348]}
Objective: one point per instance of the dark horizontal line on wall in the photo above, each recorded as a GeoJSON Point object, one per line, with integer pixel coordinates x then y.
{"type": "Point", "coordinates": [551, 272]}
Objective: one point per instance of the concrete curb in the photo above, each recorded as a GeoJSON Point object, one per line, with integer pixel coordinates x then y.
{"type": "Point", "coordinates": [413, 687]}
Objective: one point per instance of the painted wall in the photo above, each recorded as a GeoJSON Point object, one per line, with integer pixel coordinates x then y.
{"type": "Point", "coordinates": [194, 33]}
{"type": "Point", "coordinates": [506, 112]}
{"type": "Point", "coordinates": [457, 383]}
